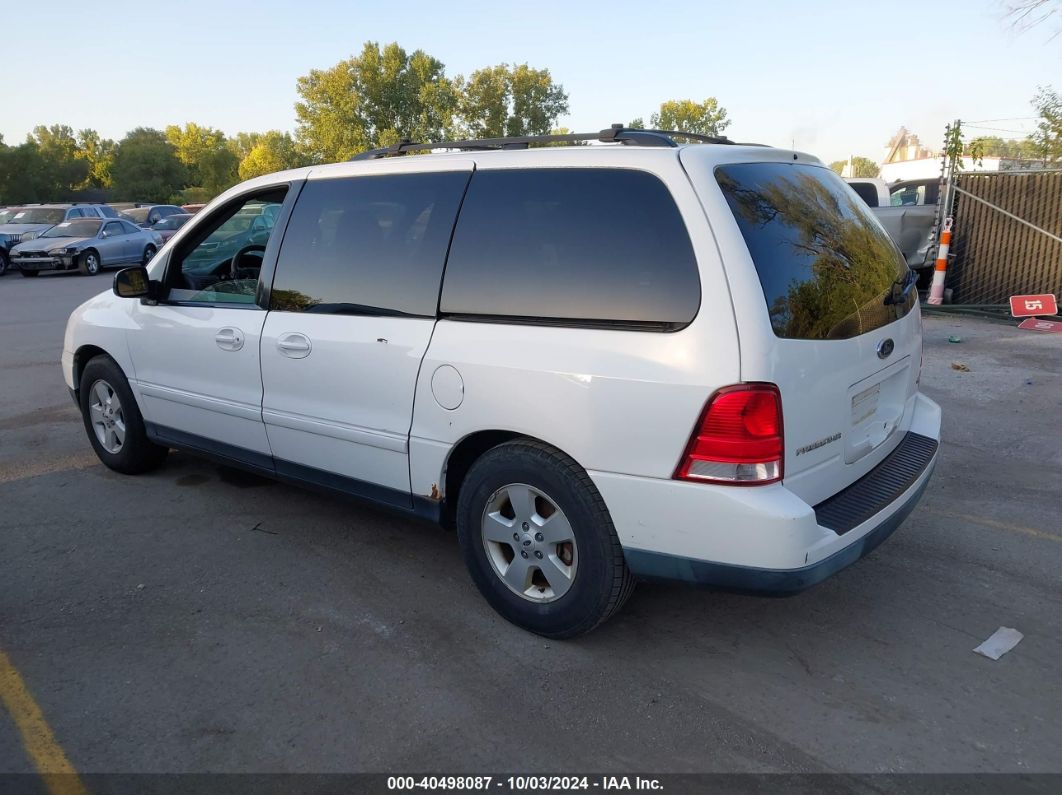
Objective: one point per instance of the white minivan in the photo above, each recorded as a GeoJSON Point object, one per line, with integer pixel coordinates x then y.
{"type": "Point", "coordinates": [598, 363]}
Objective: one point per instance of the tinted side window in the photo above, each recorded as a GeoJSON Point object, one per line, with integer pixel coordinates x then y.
{"type": "Point", "coordinates": [368, 245]}
{"type": "Point", "coordinates": [576, 245]}
{"type": "Point", "coordinates": [129, 229]}
{"type": "Point", "coordinates": [74, 213]}
{"type": "Point", "coordinates": [114, 229]}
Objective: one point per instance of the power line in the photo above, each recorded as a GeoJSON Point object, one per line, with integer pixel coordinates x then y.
{"type": "Point", "coordinates": [1012, 118]}
{"type": "Point", "coordinates": [997, 129]}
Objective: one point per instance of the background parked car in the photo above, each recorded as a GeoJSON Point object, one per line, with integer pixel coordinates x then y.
{"type": "Point", "coordinates": [25, 223]}
{"type": "Point", "coordinates": [192, 208]}
{"type": "Point", "coordinates": [907, 210]}
{"type": "Point", "coordinates": [168, 226]}
{"type": "Point", "coordinates": [150, 214]}
{"type": "Point", "coordinates": [88, 244]}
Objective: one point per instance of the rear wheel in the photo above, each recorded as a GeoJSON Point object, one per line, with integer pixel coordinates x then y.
{"type": "Point", "coordinates": [539, 541]}
{"type": "Point", "coordinates": [89, 263]}
{"type": "Point", "coordinates": [113, 422]}
{"type": "Point", "coordinates": [149, 252]}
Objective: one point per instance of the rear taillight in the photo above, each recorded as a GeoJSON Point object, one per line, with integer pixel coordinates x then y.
{"type": "Point", "coordinates": [738, 440]}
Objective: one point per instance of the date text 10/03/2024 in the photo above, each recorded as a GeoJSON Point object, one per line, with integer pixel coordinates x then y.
{"type": "Point", "coordinates": [523, 783]}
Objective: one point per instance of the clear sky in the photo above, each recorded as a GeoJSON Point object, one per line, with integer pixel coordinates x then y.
{"type": "Point", "coordinates": [836, 77]}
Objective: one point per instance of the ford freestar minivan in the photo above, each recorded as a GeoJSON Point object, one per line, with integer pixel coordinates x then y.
{"type": "Point", "coordinates": [693, 362]}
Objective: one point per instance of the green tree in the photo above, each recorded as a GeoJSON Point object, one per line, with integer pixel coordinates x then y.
{"type": "Point", "coordinates": [275, 151]}
{"type": "Point", "coordinates": [146, 167]}
{"type": "Point", "coordinates": [862, 167]}
{"type": "Point", "coordinates": [506, 100]}
{"type": "Point", "coordinates": [23, 176]}
{"type": "Point", "coordinates": [373, 99]}
{"type": "Point", "coordinates": [637, 124]}
{"type": "Point", "coordinates": [242, 143]}
{"type": "Point", "coordinates": [62, 170]}
{"type": "Point", "coordinates": [218, 170]}
{"type": "Point", "coordinates": [1048, 135]}
{"type": "Point", "coordinates": [98, 153]}
{"type": "Point", "coordinates": [192, 143]}
{"type": "Point", "coordinates": [685, 115]}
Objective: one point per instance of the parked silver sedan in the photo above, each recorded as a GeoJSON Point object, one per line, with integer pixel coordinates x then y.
{"type": "Point", "coordinates": [88, 244]}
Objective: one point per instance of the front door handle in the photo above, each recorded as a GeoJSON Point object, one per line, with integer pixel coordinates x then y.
{"type": "Point", "coordinates": [294, 345]}
{"type": "Point", "coordinates": [229, 339]}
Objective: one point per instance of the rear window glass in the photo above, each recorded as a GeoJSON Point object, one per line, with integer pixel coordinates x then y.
{"type": "Point", "coordinates": [572, 246]}
{"type": "Point", "coordinates": [827, 268]}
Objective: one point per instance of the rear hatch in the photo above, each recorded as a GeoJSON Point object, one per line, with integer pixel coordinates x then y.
{"type": "Point", "coordinates": [831, 317]}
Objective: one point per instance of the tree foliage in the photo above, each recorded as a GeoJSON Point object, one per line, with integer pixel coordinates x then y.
{"type": "Point", "coordinates": [146, 167]}
{"type": "Point", "coordinates": [862, 167]}
{"type": "Point", "coordinates": [373, 99]}
{"type": "Point", "coordinates": [1048, 135]}
{"type": "Point", "coordinates": [273, 151]}
{"type": "Point", "coordinates": [506, 100]}
{"type": "Point", "coordinates": [685, 115]}
{"type": "Point", "coordinates": [385, 94]}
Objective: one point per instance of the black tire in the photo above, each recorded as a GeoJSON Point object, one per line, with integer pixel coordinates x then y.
{"type": "Point", "coordinates": [30, 274]}
{"type": "Point", "coordinates": [137, 454]}
{"type": "Point", "coordinates": [149, 252]}
{"type": "Point", "coordinates": [4, 262]}
{"type": "Point", "coordinates": [602, 581]}
{"type": "Point", "coordinates": [89, 263]}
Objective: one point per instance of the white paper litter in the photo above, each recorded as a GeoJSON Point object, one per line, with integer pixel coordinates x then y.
{"type": "Point", "coordinates": [1003, 640]}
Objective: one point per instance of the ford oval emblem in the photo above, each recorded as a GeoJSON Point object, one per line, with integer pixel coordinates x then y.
{"type": "Point", "coordinates": [885, 348]}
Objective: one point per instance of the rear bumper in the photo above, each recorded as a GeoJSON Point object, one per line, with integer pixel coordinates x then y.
{"type": "Point", "coordinates": [779, 582]}
{"type": "Point", "coordinates": [767, 539]}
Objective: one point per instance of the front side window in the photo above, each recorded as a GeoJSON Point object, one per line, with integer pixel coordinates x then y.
{"type": "Point", "coordinates": [222, 262]}
{"type": "Point", "coordinates": [371, 245]}
{"type": "Point", "coordinates": [827, 268]}
{"type": "Point", "coordinates": [572, 246]}
{"type": "Point", "coordinates": [113, 229]}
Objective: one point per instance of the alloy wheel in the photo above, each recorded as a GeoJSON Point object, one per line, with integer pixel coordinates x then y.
{"type": "Point", "coordinates": [108, 420]}
{"type": "Point", "coordinates": [529, 543]}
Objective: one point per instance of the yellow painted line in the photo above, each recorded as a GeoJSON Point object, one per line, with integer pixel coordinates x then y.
{"type": "Point", "coordinates": [1013, 528]}
{"type": "Point", "coordinates": [59, 775]}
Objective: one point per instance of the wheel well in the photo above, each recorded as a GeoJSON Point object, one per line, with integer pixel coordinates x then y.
{"type": "Point", "coordinates": [461, 459]}
{"type": "Point", "coordinates": [82, 357]}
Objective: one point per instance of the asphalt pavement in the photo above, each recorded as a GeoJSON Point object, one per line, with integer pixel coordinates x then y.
{"type": "Point", "coordinates": [200, 619]}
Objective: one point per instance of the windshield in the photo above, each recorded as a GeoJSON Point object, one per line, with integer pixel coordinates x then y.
{"type": "Point", "coordinates": [238, 223]}
{"type": "Point", "coordinates": [173, 222]}
{"type": "Point", "coordinates": [137, 215]}
{"type": "Point", "coordinates": [827, 268]}
{"type": "Point", "coordinates": [38, 215]}
{"type": "Point", "coordinates": [85, 227]}
{"type": "Point", "coordinates": [7, 215]}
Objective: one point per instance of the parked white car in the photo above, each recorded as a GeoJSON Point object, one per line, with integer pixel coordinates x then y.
{"type": "Point", "coordinates": [580, 357]}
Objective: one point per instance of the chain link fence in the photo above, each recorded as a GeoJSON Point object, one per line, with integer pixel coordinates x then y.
{"type": "Point", "coordinates": [1007, 230]}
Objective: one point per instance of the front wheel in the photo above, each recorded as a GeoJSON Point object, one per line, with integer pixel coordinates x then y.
{"type": "Point", "coordinates": [113, 422]}
{"type": "Point", "coordinates": [89, 263]}
{"type": "Point", "coordinates": [539, 541]}
{"type": "Point", "coordinates": [149, 252]}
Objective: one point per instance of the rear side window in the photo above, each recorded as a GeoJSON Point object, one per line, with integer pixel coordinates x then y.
{"type": "Point", "coordinates": [368, 245]}
{"type": "Point", "coordinates": [827, 268]}
{"type": "Point", "coordinates": [580, 246]}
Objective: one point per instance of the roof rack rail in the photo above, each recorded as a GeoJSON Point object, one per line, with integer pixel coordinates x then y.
{"type": "Point", "coordinates": [617, 133]}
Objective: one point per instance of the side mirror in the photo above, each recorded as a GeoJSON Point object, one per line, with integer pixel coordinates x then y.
{"type": "Point", "coordinates": [132, 283]}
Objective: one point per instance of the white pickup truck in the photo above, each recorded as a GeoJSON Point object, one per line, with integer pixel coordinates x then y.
{"type": "Point", "coordinates": [907, 210]}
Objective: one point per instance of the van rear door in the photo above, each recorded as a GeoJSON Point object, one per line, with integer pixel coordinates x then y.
{"type": "Point", "coordinates": [829, 315]}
